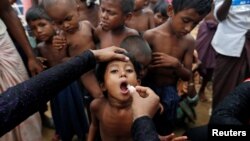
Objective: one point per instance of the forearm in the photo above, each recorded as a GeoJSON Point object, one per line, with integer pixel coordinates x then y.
{"type": "Point", "coordinates": [92, 132]}
{"type": "Point", "coordinates": [183, 72]}
{"type": "Point", "coordinates": [16, 30]}
{"type": "Point", "coordinates": [224, 10]}
{"type": "Point", "coordinates": [143, 129]}
{"type": "Point", "coordinates": [21, 101]}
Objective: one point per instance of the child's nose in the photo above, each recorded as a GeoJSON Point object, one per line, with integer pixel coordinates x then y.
{"type": "Point", "coordinates": [123, 73]}
{"type": "Point", "coordinates": [104, 15]}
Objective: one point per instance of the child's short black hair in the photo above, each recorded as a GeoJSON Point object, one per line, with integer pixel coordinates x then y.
{"type": "Point", "coordinates": [202, 7]}
{"type": "Point", "coordinates": [101, 68]}
{"type": "Point", "coordinates": [161, 7]}
{"type": "Point", "coordinates": [127, 6]}
{"type": "Point", "coordinates": [36, 13]}
{"type": "Point", "coordinates": [135, 44]}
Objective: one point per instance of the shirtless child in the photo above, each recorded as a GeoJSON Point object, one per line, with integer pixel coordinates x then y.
{"type": "Point", "coordinates": [112, 114]}
{"type": "Point", "coordinates": [172, 48]}
{"type": "Point", "coordinates": [112, 30]}
{"type": "Point", "coordinates": [79, 35]}
{"type": "Point", "coordinates": [142, 19]}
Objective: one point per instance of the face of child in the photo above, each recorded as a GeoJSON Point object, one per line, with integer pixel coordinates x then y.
{"type": "Point", "coordinates": [64, 16]}
{"type": "Point", "coordinates": [139, 4]}
{"type": "Point", "coordinates": [184, 21]}
{"type": "Point", "coordinates": [117, 76]}
{"type": "Point", "coordinates": [111, 14]}
{"type": "Point", "coordinates": [42, 29]}
{"type": "Point", "coordinates": [159, 18]}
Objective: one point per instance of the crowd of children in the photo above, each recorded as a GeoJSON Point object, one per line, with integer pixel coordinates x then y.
{"type": "Point", "coordinates": [156, 34]}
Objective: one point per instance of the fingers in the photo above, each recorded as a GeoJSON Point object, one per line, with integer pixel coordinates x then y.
{"type": "Point", "coordinates": [181, 138]}
{"type": "Point", "coordinates": [59, 42]}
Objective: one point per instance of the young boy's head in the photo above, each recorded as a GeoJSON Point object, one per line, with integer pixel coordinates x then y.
{"type": "Point", "coordinates": [139, 48]}
{"type": "Point", "coordinates": [184, 15]}
{"type": "Point", "coordinates": [140, 4]}
{"type": "Point", "coordinates": [114, 13]}
{"type": "Point", "coordinates": [64, 13]}
{"type": "Point", "coordinates": [40, 23]}
{"type": "Point", "coordinates": [160, 12]}
{"type": "Point", "coordinates": [116, 75]}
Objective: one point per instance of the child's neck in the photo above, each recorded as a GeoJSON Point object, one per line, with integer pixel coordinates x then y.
{"type": "Point", "coordinates": [118, 30]}
{"type": "Point", "coordinates": [167, 28]}
{"type": "Point", "coordinates": [118, 104]}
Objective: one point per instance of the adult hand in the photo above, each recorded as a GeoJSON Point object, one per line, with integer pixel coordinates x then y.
{"type": "Point", "coordinates": [35, 66]}
{"type": "Point", "coordinates": [145, 102]}
{"type": "Point", "coordinates": [110, 53]}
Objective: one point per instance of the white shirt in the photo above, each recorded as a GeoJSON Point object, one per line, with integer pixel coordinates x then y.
{"type": "Point", "coordinates": [229, 38]}
{"type": "Point", "coordinates": [2, 27]}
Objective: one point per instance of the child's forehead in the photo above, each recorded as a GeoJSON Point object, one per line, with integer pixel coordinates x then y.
{"type": "Point", "coordinates": [119, 63]}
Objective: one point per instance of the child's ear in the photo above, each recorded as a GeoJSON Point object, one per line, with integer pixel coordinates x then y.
{"type": "Point", "coordinates": [170, 10]}
{"type": "Point", "coordinates": [103, 88]}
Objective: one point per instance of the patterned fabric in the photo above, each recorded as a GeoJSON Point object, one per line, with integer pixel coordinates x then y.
{"type": "Point", "coordinates": [21, 101]}
{"type": "Point", "coordinates": [13, 72]}
{"type": "Point", "coordinates": [143, 129]}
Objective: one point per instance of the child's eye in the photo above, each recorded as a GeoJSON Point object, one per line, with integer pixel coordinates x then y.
{"type": "Point", "coordinates": [129, 70]}
{"type": "Point", "coordinates": [114, 71]}
{"type": "Point", "coordinates": [185, 20]}
{"type": "Point", "coordinates": [69, 18]}
{"type": "Point", "coordinates": [42, 24]}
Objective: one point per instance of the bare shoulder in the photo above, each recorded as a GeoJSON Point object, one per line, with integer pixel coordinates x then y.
{"type": "Point", "coordinates": [148, 11]}
{"type": "Point", "coordinates": [131, 31]}
{"type": "Point", "coordinates": [150, 34]}
{"type": "Point", "coordinates": [97, 104]}
{"type": "Point", "coordinates": [189, 40]}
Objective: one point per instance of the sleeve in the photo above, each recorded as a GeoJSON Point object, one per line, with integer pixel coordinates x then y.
{"type": "Point", "coordinates": [217, 4]}
{"type": "Point", "coordinates": [24, 99]}
{"type": "Point", "coordinates": [143, 129]}
{"type": "Point", "coordinates": [235, 108]}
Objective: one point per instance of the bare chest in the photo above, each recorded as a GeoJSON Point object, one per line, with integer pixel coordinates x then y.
{"type": "Point", "coordinates": [116, 124]}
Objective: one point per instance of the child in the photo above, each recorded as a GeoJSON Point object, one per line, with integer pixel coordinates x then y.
{"type": "Point", "coordinates": [172, 57]}
{"type": "Point", "coordinates": [67, 107]}
{"type": "Point", "coordinates": [138, 47]}
{"type": "Point", "coordinates": [160, 12]}
{"type": "Point", "coordinates": [113, 14]}
{"type": "Point", "coordinates": [112, 114]}
{"type": "Point", "coordinates": [78, 34]}
{"type": "Point", "coordinates": [142, 19]}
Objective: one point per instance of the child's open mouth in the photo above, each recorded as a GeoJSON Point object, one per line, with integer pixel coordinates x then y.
{"type": "Point", "coordinates": [124, 88]}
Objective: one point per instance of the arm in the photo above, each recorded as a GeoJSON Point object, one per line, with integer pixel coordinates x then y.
{"type": "Point", "coordinates": [15, 28]}
{"type": "Point", "coordinates": [148, 132]}
{"type": "Point", "coordinates": [91, 84]}
{"type": "Point", "coordinates": [94, 127]}
{"type": "Point", "coordinates": [146, 98]}
{"type": "Point", "coordinates": [223, 10]}
{"type": "Point", "coordinates": [151, 19]}
{"type": "Point", "coordinates": [235, 108]}
{"type": "Point", "coordinates": [23, 100]}
{"type": "Point", "coordinates": [184, 70]}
